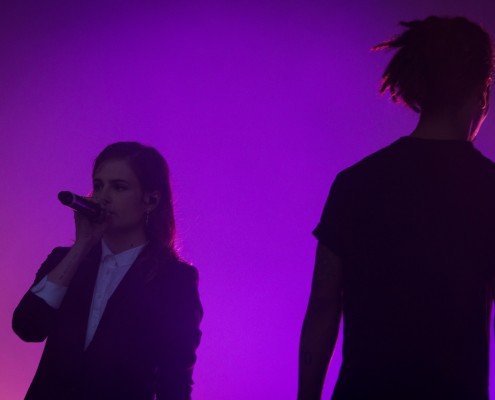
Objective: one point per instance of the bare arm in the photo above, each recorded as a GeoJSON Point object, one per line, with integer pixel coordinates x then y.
{"type": "Point", "coordinates": [321, 324]}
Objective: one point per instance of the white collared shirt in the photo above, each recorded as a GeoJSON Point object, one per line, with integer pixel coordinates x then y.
{"type": "Point", "coordinates": [112, 270]}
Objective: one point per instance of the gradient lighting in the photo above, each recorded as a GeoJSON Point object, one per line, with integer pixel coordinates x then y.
{"type": "Point", "coordinates": [255, 105]}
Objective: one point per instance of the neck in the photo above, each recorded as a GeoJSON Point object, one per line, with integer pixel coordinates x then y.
{"type": "Point", "coordinates": [118, 242]}
{"type": "Point", "coordinates": [443, 126]}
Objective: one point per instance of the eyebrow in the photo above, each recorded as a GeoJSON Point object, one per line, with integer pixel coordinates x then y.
{"type": "Point", "coordinates": [112, 180]}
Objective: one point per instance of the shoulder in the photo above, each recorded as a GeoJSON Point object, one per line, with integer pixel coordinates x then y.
{"type": "Point", "coordinates": [376, 160]}
{"type": "Point", "coordinates": [185, 271]}
{"type": "Point", "coordinates": [177, 284]}
{"type": "Point", "coordinates": [484, 161]}
{"type": "Point", "coordinates": [362, 173]}
{"type": "Point", "coordinates": [176, 270]}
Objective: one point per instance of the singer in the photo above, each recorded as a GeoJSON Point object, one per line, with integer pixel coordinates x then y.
{"type": "Point", "coordinates": [119, 310]}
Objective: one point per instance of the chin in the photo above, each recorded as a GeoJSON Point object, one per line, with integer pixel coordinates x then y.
{"type": "Point", "coordinates": [114, 227]}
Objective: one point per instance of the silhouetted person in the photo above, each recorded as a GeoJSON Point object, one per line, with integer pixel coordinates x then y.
{"type": "Point", "coordinates": [119, 311]}
{"type": "Point", "coordinates": [406, 241]}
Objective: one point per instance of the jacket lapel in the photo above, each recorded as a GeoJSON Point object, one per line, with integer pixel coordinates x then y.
{"type": "Point", "coordinates": [129, 289]}
{"type": "Point", "coordinates": [79, 297]}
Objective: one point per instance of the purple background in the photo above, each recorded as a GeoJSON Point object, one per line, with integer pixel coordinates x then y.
{"type": "Point", "coordinates": [255, 104]}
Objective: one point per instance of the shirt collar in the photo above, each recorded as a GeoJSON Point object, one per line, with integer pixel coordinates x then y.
{"type": "Point", "coordinates": [121, 259]}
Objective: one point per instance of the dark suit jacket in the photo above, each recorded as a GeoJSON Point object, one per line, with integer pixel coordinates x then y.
{"type": "Point", "coordinates": [145, 343]}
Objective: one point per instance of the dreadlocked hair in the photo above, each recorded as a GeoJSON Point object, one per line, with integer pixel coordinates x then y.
{"type": "Point", "coordinates": [438, 63]}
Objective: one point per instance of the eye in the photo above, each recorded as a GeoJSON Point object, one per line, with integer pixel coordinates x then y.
{"type": "Point", "coordinates": [96, 187]}
{"type": "Point", "coordinates": [119, 187]}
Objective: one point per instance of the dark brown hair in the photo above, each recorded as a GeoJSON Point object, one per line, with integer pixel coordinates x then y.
{"type": "Point", "coordinates": [152, 172]}
{"type": "Point", "coordinates": [438, 63]}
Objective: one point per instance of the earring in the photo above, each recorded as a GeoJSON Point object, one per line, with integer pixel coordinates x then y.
{"type": "Point", "coordinates": [147, 216]}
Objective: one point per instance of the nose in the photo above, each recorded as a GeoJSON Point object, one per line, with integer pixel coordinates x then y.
{"type": "Point", "coordinates": [103, 196]}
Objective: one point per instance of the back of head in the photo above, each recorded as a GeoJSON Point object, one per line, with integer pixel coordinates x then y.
{"type": "Point", "coordinates": [439, 62]}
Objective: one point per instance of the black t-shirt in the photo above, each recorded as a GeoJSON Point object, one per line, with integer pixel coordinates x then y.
{"type": "Point", "coordinates": [414, 225]}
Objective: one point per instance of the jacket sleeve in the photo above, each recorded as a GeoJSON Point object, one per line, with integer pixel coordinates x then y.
{"type": "Point", "coordinates": [177, 357]}
{"type": "Point", "coordinates": [33, 317]}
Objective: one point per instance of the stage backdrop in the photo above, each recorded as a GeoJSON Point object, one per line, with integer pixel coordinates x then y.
{"type": "Point", "coordinates": [255, 104]}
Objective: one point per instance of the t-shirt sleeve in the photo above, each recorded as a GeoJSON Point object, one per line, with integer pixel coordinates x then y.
{"type": "Point", "coordinates": [333, 228]}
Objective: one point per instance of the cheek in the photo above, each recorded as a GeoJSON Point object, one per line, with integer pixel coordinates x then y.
{"type": "Point", "coordinates": [134, 210]}
{"type": "Point", "coordinates": [131, 208]}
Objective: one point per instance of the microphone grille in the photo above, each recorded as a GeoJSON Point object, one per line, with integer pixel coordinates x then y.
{"type": "Point", "coordinates": [66, 198]}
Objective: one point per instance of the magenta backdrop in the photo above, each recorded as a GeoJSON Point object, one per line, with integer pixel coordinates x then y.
{"type": "Point", "coordinates": [256, 105]}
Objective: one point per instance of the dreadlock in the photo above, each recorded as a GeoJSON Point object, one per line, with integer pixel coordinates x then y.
{"type": "Point", "coordinates": [438, 62]}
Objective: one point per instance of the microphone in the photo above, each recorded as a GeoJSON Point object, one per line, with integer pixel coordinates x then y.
{"type": "Point", "coordinates": [82, 205]}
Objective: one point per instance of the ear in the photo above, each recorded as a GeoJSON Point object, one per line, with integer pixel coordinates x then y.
{"type": "Point", "coordinates": [152, 199]}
